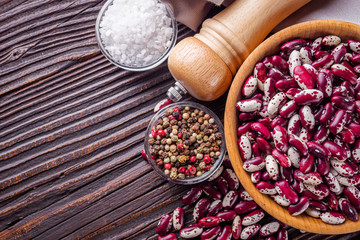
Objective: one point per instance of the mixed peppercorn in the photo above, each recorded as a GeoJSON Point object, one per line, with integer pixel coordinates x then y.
{"type": "Point", "coordinates": [185, 142]}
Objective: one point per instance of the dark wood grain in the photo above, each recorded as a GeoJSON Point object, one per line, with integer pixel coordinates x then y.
{"type": "Point", "coordinates": [72, 128]}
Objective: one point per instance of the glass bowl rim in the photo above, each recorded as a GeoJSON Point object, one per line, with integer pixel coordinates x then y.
{"type": "Point", "coordinates": [152, 65]}
{"type": "Point", "coordinates": [194, 180]}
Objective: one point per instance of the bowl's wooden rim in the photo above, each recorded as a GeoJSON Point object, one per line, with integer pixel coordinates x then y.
{"type": "Point", "coordinates": [270, 46]}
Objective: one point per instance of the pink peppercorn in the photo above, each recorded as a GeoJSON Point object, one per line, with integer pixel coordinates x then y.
{"type": "Point", "coordinates": [180, 146]}
{"type": "Point", "coordinates": [161, 133]}
{"type": "Point", "coordinates": [153, 132]}
{"type": "Point", "coordinates": [176, 109]}
{"type": "Point", "coordinates": [167, 166]}
{"type": "Point", "coordinates": [192, 159]}
{"type": "Point", "coordinates": [187, 172]}
{"type": "Point", "coordinates": [207, 159]}
{"type": "Point", "coordinates": [179, 135]}
{"type": "Point", "coordinates": [181, 169]}
{"type": "Point", "coordinates": [192, 170]}
{"type": "Point", "coordinates": [171, 117]}
{"type": "Point", "coordinates": [179, 117]}
{"type": "Point", "coordinates": [207, 168]}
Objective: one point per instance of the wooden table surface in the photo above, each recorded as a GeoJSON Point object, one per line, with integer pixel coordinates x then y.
{"type": "Point", "coordinates": [72, 128]}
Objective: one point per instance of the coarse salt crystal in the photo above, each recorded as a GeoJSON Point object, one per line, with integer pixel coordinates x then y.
{"type": "Point", "coordinates": [136, 32]}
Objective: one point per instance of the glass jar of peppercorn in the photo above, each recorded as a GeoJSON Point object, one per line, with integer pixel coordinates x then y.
{"type": "Point", "coordinates": [185, 142]}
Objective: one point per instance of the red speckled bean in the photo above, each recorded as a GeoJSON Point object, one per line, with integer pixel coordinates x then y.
{"type": "Point", "coordinates": [226, 216]}
{"type": "Point", "coordinates": [336, 151]}
{"type": "Point", "coordinates": [279, 136]}
{"type": "Point", "coordinates": [280, 64]}
{"type": "Point", "coordinates": [249, 105]}
{"type": "Point", "coordinates": [275, 74]}
{"type": "Point", "coordinates": [343, 103]}
{"type": "Point", "coordinates": [353, 194]}
{"type": "Point", "coordinates": [282, 159]}
{"type": "Point", "coordinates": [299, 144]}
{"type": "Point", "coordinates": [200, 209]}
{"type": "Point", "coordinates": [269, 89]}
{"type": "Point", "coordinates": [303, 78]}
{"type": "Point", "coordinates": [332, 217]}
{"type": "Point", "coordinates": [211, 233]}
{"type": "Point", "coordinates": [245, 207]}
{"type": "Point", "coordinates": [236, 227]}
{"type": "Point", "coordinates": [260, 72]}
{"type": "Point", "coordinates": [294, 125]}
{"type": "Point", "coordinates": [332, 182]}
{"type": "Point", "coordinates": [279, 121]}
{"type": "Point", "coordinates": [242, 129]}
{"type": "Point", "coordinates": [256, 177]}
{"type": "Point", "coordinates": [309, 97]}
{"type": "Point", "coordinates": [317, 205]}
{"type": "Point", "coordinates": [178, 218]}
{"type": "Point", "coordinates": [276, 103]}
{"type": "Point", "coordinates": [253, 217]}
{"type": "Point", "coordinates": [323, 166]}
{"type": "Point", "coordinates": [266, 188]}
{"type": "Point", "coordinates": [318, 150]}
{"type": "Point", "coordinates": [324, 82]}
{"type": "Point", "coordinates": [191, 231]}
{"type": "Point", "coordinates": [261, 129]}
{"type": "Point", "coordinates": [244, 195]}
{"type": "Point", "coordinates": [245, 148]}
{"type": "Point", "coordinates": [287, 174]}
{"type": "Point", "coordinates": [293, 44]}
{"type": "Point", "coordinates": [332, 202]}
{"type": "Point", "coordinates": [319, 190]}
{"type": "Point", "coordinates": [300, 207]}
{"type": "Point", "coordinates": [249, 87]}
{"type": "Point", "coordinates": [307, 118]}
{"type": "Point", "coordinates": [342, 167]}
{"type": "Point", "coordinates": [250, 231]}
{"type": "Point", "coordinates": [170, 236]}
{"type": "Point", "coordinates": [282, 234]}
{"type": "Point", "coordinates": [192, 195]}
{"type": "Point", "coordinates": [231, 179]}
{"type": "Point", "coordinates": [272, 167]}
{"type": "Point", "coordinates": [297, 186]}
{"type": "Point", "coordinates": [211, 191]}
{"type": "Point", "coordinates": [264, 146]}
{"type": "Point", "coordinates": [214, 208]}
{"type": "Point", "coordinates": [348, 210]}
{"type": "Point", "coordinates": [221, 185]}
{"type": "Point", "coordinates": [328, 112]}
{"type": "Point", "coordinates": [208, 222]}
{"type": "Point", "coordinates": [344, 72]}
{"type": "Point", "coordinates": [324, 62]}
{"type": "Point", "coordinates": [225, 234]}
{"type": "Point", "coordinates": [164, 225]}
{"type": "Point", "coordinates": [255, 164]}
{"type": "Point", "coordinates": [247, 116]}
{"type": "Point", "coordinates": [289, 109]}
{"type": "Point", "coordinates": [284, 85]}
{"type": "Point", "coordinates": [339, 53]}
{"type": "Point", "coordinates": [354, 45]}
{"type": "Point", "coordinates": [230, 199]}
{"type": "Point", "coordinates": [284, 190]}
{"type": "Point", "coordinates": [321, 134]}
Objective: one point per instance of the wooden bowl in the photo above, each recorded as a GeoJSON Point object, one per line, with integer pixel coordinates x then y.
{"type": "Point", "coordinates": [307, 30]}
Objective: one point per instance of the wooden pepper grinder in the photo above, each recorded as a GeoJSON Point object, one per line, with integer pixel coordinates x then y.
{"type": "Point", "coordinates": [206, 63]}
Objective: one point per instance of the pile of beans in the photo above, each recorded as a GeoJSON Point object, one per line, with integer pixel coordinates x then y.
{"type": "Point", "coordinates": [185, 142]}
{"type": "Point", "coordinates": [299, 133]}
{"type": "Point", "coordinates": [222, 210]}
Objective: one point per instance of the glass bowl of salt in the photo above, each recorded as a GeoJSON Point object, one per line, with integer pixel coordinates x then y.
{"type": "Point", "coordinates": [136, 35]}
